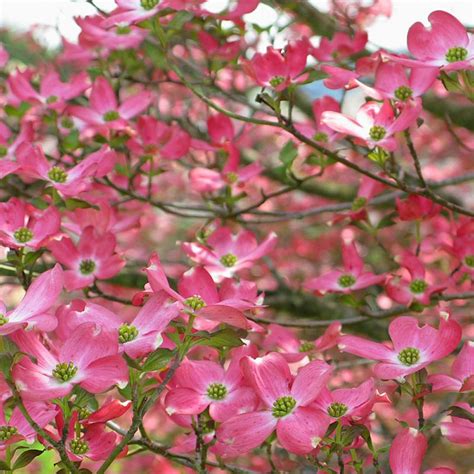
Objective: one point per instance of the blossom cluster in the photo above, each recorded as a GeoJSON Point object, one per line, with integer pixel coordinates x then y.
{"type": "Point", "coordinates": [171, 298]}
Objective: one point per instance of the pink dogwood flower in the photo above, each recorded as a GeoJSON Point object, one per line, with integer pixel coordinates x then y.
{"type": "Point", "coordinates": [293, 349]}
{"type": "Point", "coordinates": [86, 441]}
{"type": "Point", "coordinates": [445, 45]}
{"type": "Point", "coordinates": [204, 180]}
{"type": "Point", "coordinates": [32, 311]}
{"type": "Point", "coordinates": [462, 373]}
{"type": "Point", "coordinates": [225, 253]}
{"type": "Point", "coordinates": [53, 93]}
{"type": "Point", "coordinates": [340, 46]}
{"type": "Point", "coordinates": [318, 131]}
{"type": "Point", "coordinates": [17, 428]}
{"type": "Point", "coordinates": [198, 292]}
{"type": "Point", "coordinates": [375, 123]}
{"type": "Point", "coordinates": [135, 11]}
{"type": "Point", "coordinates": [23, 225]}
{"type": "Point", "coordinates": [391, 82]}
{"type": "Point", "coordinates": [104, 110]}
{"type": "Point", "coordinates": [459, 430]}
{"type": "Point", "coordinates": [4, 56]}
{"type": "Point", "coordinates": [116, 38]}
{"type": "Point", "coordinates": [348, 403]}
{"type": "Point", "coordinates": [416, 207]}
{"type": "Point", "coordinates": [88, 358]}
{"type": "Point", "coordinates": [70, 316]}
{"type": "Point", "coordinates": [412, 288]}
{"type": "Point", "coordinates": [92, 258]}
{"type": "Point", "coordinates": [68, 181]}
{"type": "Point", "coordinates": [9, 144]}
{"type": "Point", "coordinates": [288, 409]}
{"type": "Point", "coordinates": [279, 70]}
{"type": "Point", "coordinates": [351, 278]}
{"type": "Point", "coordinates": [339, 78]}
{"type": "Point", "coordinates": [407, 452]}
{"type": "Point", "coordinates": [414, 348]}
{"type": "Point", "coordinates": [198, 385]}
{"type": "Point", "coordinates": [143, 334]}
{"type": "Point", "coordinates": [155, 138]}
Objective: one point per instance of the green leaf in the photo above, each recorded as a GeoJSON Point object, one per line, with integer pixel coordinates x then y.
{"type": "Point", "coordinates": [379, 155]}
{"type": "Point", "coordinates": [31, 257]}
{"type": "Point", "coordinates": [178, 21]}
{"type": "Point", "coordinates": [84, 399]}
{"type": "Point", "coordinates": [71, 141]}
{"type": "Point", "coordinates": [157, 360]}
{"type": "Point", "coordinates": [459, 412]}
{"type": "Point", "coordinates": [39, 203]}
{"type": "Point", "coordinates": [4, 466]}
{"type": "Point", "coordinates": [26, 457]}
{"type": "Point", "coordinates": [315, 75]}
{"type": "Point", "coordinates": [17, 111]}
{"type": "Point", "coordinates": [224, 338]}
{"type": "Point", "coordinates": [6, 362]}
{"type": "Point", "coordinates": [74, 203]}
{"type": "Point", "coordinates": [288, 153]}
{"type": "Point", "coordinates": [451, 82]}
{"type": "Point", "coordinates": [386, 221]}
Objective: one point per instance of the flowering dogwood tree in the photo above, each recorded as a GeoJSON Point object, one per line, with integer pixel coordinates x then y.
{"type": "Point", "coordinates": [209, 265]}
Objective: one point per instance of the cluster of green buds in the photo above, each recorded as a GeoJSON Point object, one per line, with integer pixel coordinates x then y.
{"type": "Point", "coordinates": [228, 260]}
{"type": "Point", "coordinates": [23, 235]}
{"type": "Point", "coordinates": [57, 174]}
{"type": "Point", "coordinates": [283, 406]}
{"type": "Point", "coordinates": [79, 446]}
{"type": "Point", "coordinates": [127, 333]}
{"type": "Point", "coordinates": [6, 432]}
{"type": "Point", "coordinates": [64, 371]}
{"type": "Point", "coordinates": [409, 356]}
{"type": "Point", "coordinates": [217, 391]}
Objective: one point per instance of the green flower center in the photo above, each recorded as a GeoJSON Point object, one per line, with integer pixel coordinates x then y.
{"type": "Point", "coordinates": [403, 93]}
{"type": "Point", "coordinates": [52, 99]}
{"type": "Point", "coordinates": [283, 406]}
{"type": "Point", "coordinates": [409, 356]}
{"type": "Point", "coordinates": [195, 302]}
{"type": "Point", "coordinates": [111, 115]}
{"type": "Point", "coordinates": [377, 132]}
{"type": "Point", "coordinates": [358, 203]}
{"type": "Point", "coordinates": [276, 81]}
{"type": "Point", "coordinates": [232, 177]}
{"type": "Point", "coordinates": [127, 333]}
{"type": "Point", "coordinates": [418, 286]}
{"type": "Point", "coordinates": [306, 346]}
{"type": "Point", "coordinates": [337, 409]}
{"type": "Point", "coordinates": [83, 412]}
{"type": "Point", "coordinates": [23, 235]}
{"type": "Point", "coordinates": [469, 260]}
{"type": "Point", "coordinates": [67, 122]}
{"type": "Point", "coordinates": [64, 371]}
{"type": "Point", "coordinates": [217, 391]}
{"type": "Point", "coordinates": [346, 280]}
{"type": "Point", "coordinates": [79, 446]}
{"type": "Point", "coordinates": [3, 151]}
{"type": "Point", "coordinates": [321, 137]}
{"type": "Point", "coordinates": [87, 266]}
{"type": "Point", "coordinates": [228, 260]}
{"type": "Point", "coordinates": [456, 54]}
{"type": "Point", "coordinates": [6, 432]}
{"type": "Point", "coordinates": [123, 30]}
{"type": "Point", "coordinates": [3, 319]}
{"type": "Point", "coordinates": [57, 174]}
{"type": "Point", "coordinates": [149, 4]}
